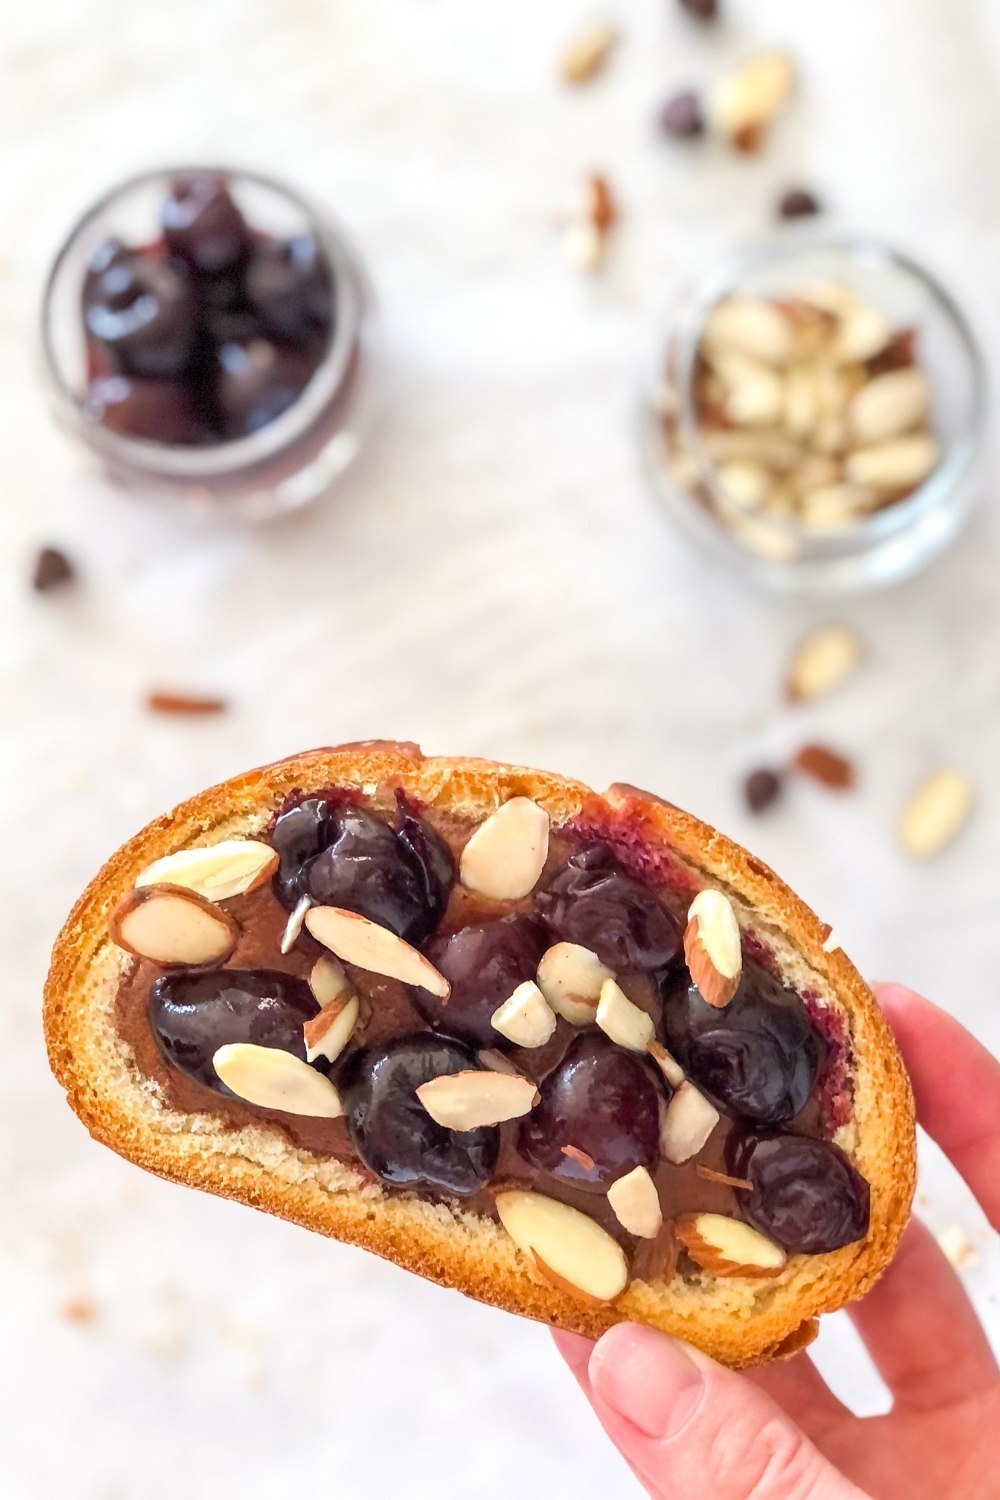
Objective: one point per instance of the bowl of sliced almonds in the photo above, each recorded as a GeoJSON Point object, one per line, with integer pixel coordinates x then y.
{"type": "Point", "coordinates": [815, 415]}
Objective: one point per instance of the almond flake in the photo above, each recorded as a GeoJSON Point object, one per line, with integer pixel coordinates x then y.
{"type": "Point", "coordinates": [470, 1099]}
{"type": "Point", "coordinates": [711, 1175]}
{"type": "Point", "coordinates": [622, 1021]}
{"type": "Point", "coordinates": [728, 1247]}
{"type": "Point", "coordinates": [570, 977]}
{"type": "Point", "coordinates": [218, 872]}
{"type": "Point", "coordinates": [293, 927]}
{"type": "Point", "coordinates": [713, 947]}
{"type": "Point", "coordinates": [525, 1019]}
{"type": "Point", "coordinates": [588, 52]}
{"type": "Point", "coordinates": [495, 1060]}
{"type": "Point", "coordinates": [583, 1256]}
{"type": "Point", "coordinates": [272, 1079]}
{"type": "Point", "coordinates": [582, 1158]}
{"type": "Point", "coordinates": [328, 1033]}
{"type": "Point", "coordinates": [636, 1204]}
{"type": "Point", "coordinates": [171, 925]}
{"type": "Point", "coordinates": [958, 1248]}
{"type": "Point", "coordinates": [936, 813]}
{"type": "Point", "coordinates": [823, 661]}
{"type": "Point", "coordinates": [688, 1121]}
{"type": "Point", "coordinates": [667, 1064]}
{"type": "Point", "coordinates": [826, 766]}
{"type": "Point", "coordinates": [745, 102]}
{"type": "Point", "coordinates": [506, 854]}
{"type": "Point", "coordinates": [356, 940]}
{"type": "Point", "coordinates": [328, 981]}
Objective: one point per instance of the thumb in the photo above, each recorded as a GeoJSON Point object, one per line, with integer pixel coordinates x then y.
{"type": "Point", "coordinates": [690, 1428]}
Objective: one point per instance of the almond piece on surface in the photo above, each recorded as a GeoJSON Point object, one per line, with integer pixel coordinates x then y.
{"type": "Point", "coordinates": [327, 1034]}
{"type": "Point", "coordinates": [743, 103]}
{"type": "Point", "coordinates": [506, 854]}
{"type": "Point", "coordinates": [356, 940]}
{"type": "Point", "coordinates": [328, 981]}
{"type": "Point", "coordinates": [570, 977]}
{"type": "Point", "coordinates": [889, 405]}
{"type": "Point", "coordinates": [713, 947]}
{"type": "Point", "coordinates": [295, 923]}
{"type": "Point", "coordinates": [171, 925]}
{"type": "Point", "coordinates": [272, 1079]}
{"type": "Point", "coordinates": [218, 872]}
{"type": "Point", "coordinates": [467, 1100]}
{"type": "Point", "coordinates": [526, 1018]}
{"type": "Point", "coordinates": [825, 766]}
{"type": "Point", "coordinates": [823, 661]}
{"type": "Point", "coordinates": [667, 1063]}
{"type": "Point", "coordinates": [636, 1204]}
{"type": "Point", "coordinates": [578, 1252]}
{"type": "Point", "coordinates": [622, 1021]}
{"type": "Point", "coordinates": [688, 1121]}
{"type": "Point", "coordinates": [728, 1247]}
{"type": "Point", "coordinates": [588, 52]}
{"type": "Point", "coordinates": [936, 812]}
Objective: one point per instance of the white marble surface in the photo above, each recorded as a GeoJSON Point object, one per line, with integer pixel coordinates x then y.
{"type": "Point", "coordinates": [493, 579]}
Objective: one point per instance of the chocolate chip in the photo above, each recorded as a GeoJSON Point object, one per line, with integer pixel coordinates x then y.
{"type": "Point", "coordinates": [682, 117]}
{"type": "Point", "coordinates": [798, 203]}
{"type": "Point", "coordinates": [52, 569]}
{"type": "Point", "coordinates": [184, 703]}
{"type": "Point", "coordinates": [761, 788]}
{"type": "Point", "coordinates": [826, 766]}
{"type": "Point", "coordinates": [702, 10]}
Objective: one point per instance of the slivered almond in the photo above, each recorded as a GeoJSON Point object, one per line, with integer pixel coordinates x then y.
{"type": "Point", "coordinates": [272, 1079]}
{"type": "Point", "coordinates": [713, 948]}
{"type": "Point", "coordinates": [491, 1058]}
{"type": "Point", "coordinates": [525, 1019]}
{"type": "Point", "coordinates": [327, 1034]}
{"type": "Point", "coordinates": [728, 1247]}
{"type": "Point", "coordinates": [506, 854]}
{"type": "Point", "coordinates": [565, 1243]}
{"type": "Point", "coordinates": [744, 103]}
{"type": "Point", "coordinates": [667, 1064]}
{"type": "Point", "coordinates": [688, 1121]}
{"type": "Point", "coordinates": [356, 940]}
{"type": "Point", "coordinates": [622, 1021]}
{"type": "Point", "coordinates": [570, 977]}
{"type": "Point", "coordinates": [328, 981]}
{"type": "Point", "coordinates": [636, 1204]}
{"type": "Point", "coordinates": [218, 872]}
{"type": "Point", "coordinates": [171, 925]}
{"type": "Point", "coordinates": [582, 1158]}
{"type": "Point", "coordinates": [293, 927]}
{"type": "Point", "coordinates": [587, 53]}
{"type": "Point", "coordinates": [711, 1175]}
{"type": "Point", "coordinates": [467, 1100]}
{"type": "Point", "coordinates": [823, 661]}
{"type": "Point", "coordinates": [936, 812]}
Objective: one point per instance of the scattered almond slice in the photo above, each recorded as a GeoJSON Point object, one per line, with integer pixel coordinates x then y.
{"type": "Point", "coordinates": [744, 103]}
{"type": "Point", "coordinates": [667, 1064]}
{"type": "Point", "coordinates": [588, 52]}
{"type": "Point", "coordinates": [294, 925]}
{"type": "Point", "coordinates": [636, 1204]}
{"type": "Point", "coordinates": [525, 1019]}
{"type": "Point", "coordinates": [622, 1021]}
{"type": "Point", "coordinates": [506, 854]}
{"type": "Point", "coordinates": [328, 1033]}
{"type": "Point", "coordinates": [827, 766]}
{"type": "Point", "coordinates": [356, 940]}
{"type": "Point", "coordinates": [570, 977]}
{"type": "Point", "coordinates": [711, 1175]}
{"type": "Point", "coordinates": [495, 1060]}
{"type": "Point", "coordinates": [727, 1247]}
{"type": "Point", "coordinates": [328, 981]}
{"type": "Point", "coordinates": [713, 947]}
{"type": "Point", "coordinates": [582, 1158]}
{"type": "Point", "coordinates": [470, 1099]}
{"type": "Point", "coordinates": [565, 1243]}
{"type": "Point", "coordinates": [823, 661]}
{"type": "Point", "coordinates": [936, 812]}
{"type": "Point", "coordinates": [170, 925]}
{"type": "Point", "coordinates": [218, 872]}
{"type": "Point", "coordinates": [957, 1246]}
{"type": "Point", "coordinates": [688, 1121]}
{"type": "Point", "coordinates": [272, 1079]}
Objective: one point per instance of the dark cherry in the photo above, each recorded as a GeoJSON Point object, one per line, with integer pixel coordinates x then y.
{"type": "Point", "coordinates": [254, 381]}
{"type": "Point", "coordinates": [806, 1195]}
{"type": "Point", "coordinates": [757, 1058]}
{"type": "Point", "coordinates": [141, 310]}
{"type": "Point", "coordinates": [602, 1100]}
{"type": "Point", "coordinates": [289, 285]}
{"type": "Point", "coordinates": [193, 1015]}
{"type": "Point", "coordinates": [202, 224]}
{"type": "Point", "coordinates": [682, 116]}
{"type": "Point", "coordinates": [163, 411]}
{"type": "Point", "coordinates": [298, 835]}
{"type": "Point", "coordinates": [392, 1132]}
{"type": "Point", "coordinates": [485, 964]}
{"type": "Point", "coordinates": [591, 901]}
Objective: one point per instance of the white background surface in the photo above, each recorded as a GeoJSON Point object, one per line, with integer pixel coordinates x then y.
{"type": "Point", "coordinates": [493, 578]}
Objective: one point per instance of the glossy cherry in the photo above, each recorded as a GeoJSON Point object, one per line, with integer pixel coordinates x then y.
{"type": "Point", "coordinates": [192, 1015]}
{"type": "Point", "coordinates": [254, 381]}
{"type": "Point", "coordinates": [290, 287]}
{"type": "Point", "coordinates": [202, 224]}
{"type": "Point", "coordinates": [485, 963]}
{"type": "Point", "coordinates": [590, 900]}
{"type": "Point", "coordinates": [161, 411]}
{"type": "Point", "coordinates": [141, 310]}
{"type": "Point", "coordinates": [806, 1195]}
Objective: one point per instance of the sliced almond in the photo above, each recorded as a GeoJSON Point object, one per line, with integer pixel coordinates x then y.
{"type": "Point", "coordinates": [740, 1184]}
{"type": "Point", "coordinates": [728, 1247]}
{"type": "Point", "coordinates": [900, 464]}
{"type": "Point", "coordinates": [744, 102]}
{"type": "Point", "coordinates": [581, 1157]}
{"type": "Point", "coordinates": [526, 1018]}
{"type": "Point", "coordinates": [713, 947]}
{"type": "Point", "coordinates": [936, 812]}
{"type": "Point", "coordinates": [636, 1204]}
{"type": "Point", "coordinates": [863, 333]}
{"type": "Point", "coordinates": [571, 1246]}
{"type": "Point", "coordinates": [667, 1064]}
{"type": "Point", "coordinates": [622, 1021]}
{"type": "Point", "coordinates": [823, 661]}
{"type": "Point", "coordinates": [272, 1079]}
{"type": "Point", "coordinates": [746, 483]}
{"type": "Point", "coordinates": [171, 925]}
{"type": "Point", "coordinates": [356, 940]}
{"type": "Point", "coordinates": [506, 854]}
{"type": "Point", "coordinates": [495, 1060]}
{"type": "Point", "coordinates": [294, 925]}
{"type": "Point", "coordinates": [327, 1034]}
{"type": "Point", "coordinates": [755, 392]}
{"type": "Point", "coordinates": [588, 52]}
{"type": "Point", "coordinates": [889, 405]}
{"type": "Point", "coordinates": [328, 981]}
{"type": "Point", "coordinates": [470, 1099]}
{"type": "Point", "coordinates": [749, 326]}
{"type": "Point", "coordinates": [688, 1121]}
{"type": "Point", "coordinates": [218, 872]}
{"type": "Point", "coordinates": [570, 977]}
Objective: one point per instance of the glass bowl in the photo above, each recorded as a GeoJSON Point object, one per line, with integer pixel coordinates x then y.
{"type": "Point", "coordinates": [888, 542]}
{"type": "Point", "coordinates": [285, 464]}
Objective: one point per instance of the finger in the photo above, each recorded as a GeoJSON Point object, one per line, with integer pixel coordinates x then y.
{"type": "Point", "coordinates": [692, 1428]}
{"type": "Point", "coordinates": [957, 1087]}
{"type": "Point", "coordinates": [576, 1351]}
{"type": "Point", "coordinates": [921, 1329]}
{"type": "Point", "coordinates": [800, 1390]}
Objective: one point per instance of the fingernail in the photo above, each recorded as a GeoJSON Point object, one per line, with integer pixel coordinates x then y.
{"type": "Point", "coordinates": [655, 1382]}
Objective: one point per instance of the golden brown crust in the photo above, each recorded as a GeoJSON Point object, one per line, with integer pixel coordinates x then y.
{"type": "Point", "coordinates": [739, 1321]}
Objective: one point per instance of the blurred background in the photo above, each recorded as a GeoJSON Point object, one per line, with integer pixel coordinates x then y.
{"type": "Point", "coordinates": [492, 576]}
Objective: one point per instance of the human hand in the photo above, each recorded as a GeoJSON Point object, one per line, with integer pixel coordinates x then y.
{"type": "Point", "coordinates": [692, 1430]}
